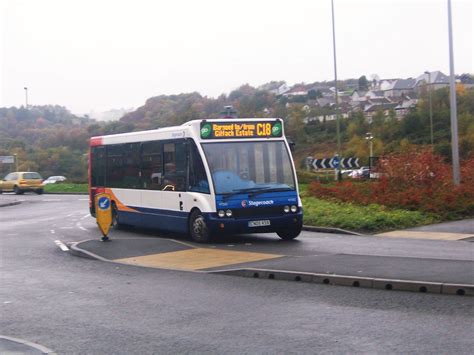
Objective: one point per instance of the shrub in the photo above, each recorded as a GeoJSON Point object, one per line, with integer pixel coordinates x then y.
{"type": "Point", "coordinates": [417, 180]}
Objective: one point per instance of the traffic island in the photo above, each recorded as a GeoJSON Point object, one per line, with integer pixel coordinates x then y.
{"type": "Point", "coordinates": [389, 273]}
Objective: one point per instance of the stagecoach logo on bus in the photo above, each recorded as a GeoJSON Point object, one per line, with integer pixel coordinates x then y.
{"type": "Point", "coordinates": [222, 130]}
{"type": "Point", "coordinates": [245, 203]}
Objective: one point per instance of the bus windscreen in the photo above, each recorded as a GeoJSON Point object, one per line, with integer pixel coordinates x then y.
{"type": "Point", "coordinates": [249, 166]}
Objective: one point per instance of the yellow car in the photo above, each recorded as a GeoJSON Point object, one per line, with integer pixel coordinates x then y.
{"type": "Point", "coordinates": [19, 182]}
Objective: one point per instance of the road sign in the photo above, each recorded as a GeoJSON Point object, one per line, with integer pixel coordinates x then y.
{"type": "Point", "coordinates": [7, 159]}
{"type": "Point", "coordinates": [335, 162]}
{"type": "Point", "coordinates": [103, 214]}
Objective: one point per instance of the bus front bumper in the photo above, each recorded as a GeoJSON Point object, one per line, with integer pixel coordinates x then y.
{"type": "Point", "coordinates": [266, 224]}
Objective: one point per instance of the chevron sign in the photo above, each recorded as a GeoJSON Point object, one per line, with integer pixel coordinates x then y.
{"type": "Point", "coordinates": [335, 162]}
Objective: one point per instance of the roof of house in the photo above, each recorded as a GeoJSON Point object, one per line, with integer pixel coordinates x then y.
{"type": "Point", "coordinates": [326, 101]}
{"type": "Point", "coordinates": [434, 77]}
{"type": "Point", "coordinates": [376, 107]}
{"type": "Point", "coordinates": [404, 84]}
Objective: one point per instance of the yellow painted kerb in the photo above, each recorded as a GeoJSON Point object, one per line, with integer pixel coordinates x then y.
{"type": "Point", "coordinates": [197, 259]}
{"type": "Point", "coordinates": [425, 235]}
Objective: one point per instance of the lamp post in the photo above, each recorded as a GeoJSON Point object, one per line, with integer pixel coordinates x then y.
{"type": "Point", "coordinates": [370, 138]}
{"type": "Point", "coordinates": [431, 109]}
{"type": "Point", "coordinates": [26, 96]}
{"type": "Point", "coordinates": [454, 112]}
{"type": "Point", "coordinates": [338, 134]}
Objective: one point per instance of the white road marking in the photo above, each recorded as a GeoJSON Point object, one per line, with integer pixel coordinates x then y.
{"type": "Point", "coordinates": [50, 200]}
{"type": "Point", "coordinates": [87, 215]}
{"type": "Point", "coordinates": [53, 231]}
{"type": "Point", "coordinates": [66, 228]}
{"type": "Point", "coordinates": [83, 199]}
{"type": "Point", "coordinates": [78, 225]}
{"type": "Point", "coordinates": [61, 245]}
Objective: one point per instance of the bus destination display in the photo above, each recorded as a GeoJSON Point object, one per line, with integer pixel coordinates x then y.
{"type": "Point", "coordinates": [228, 130]}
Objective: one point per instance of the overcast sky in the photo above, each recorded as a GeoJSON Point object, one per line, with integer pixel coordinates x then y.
{"type": "Point", "coordinates": [97, 55]}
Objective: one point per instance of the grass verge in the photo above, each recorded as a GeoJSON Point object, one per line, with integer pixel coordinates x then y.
{"type": "Point", "coordinates": [372, 218]}
{"type": "Point", "coordinates": [66, 188]}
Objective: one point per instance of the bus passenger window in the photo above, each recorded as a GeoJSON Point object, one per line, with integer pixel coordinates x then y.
{"type": "Point", "coordinates": [151, 166]}
{"type": "Point", "coordinates": [114, 172]}
{"type": "Point", "coordinates": [174, 155]}
{"type": "Point", "coordinates": [197, 174]}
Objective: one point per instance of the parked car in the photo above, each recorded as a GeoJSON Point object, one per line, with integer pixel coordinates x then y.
{"type": "Point", "coordinates": [362, 173]}
{"type": "Point", "coordinates": [21, 181]}
{"type": "Point", "coordinates": [54, 179]}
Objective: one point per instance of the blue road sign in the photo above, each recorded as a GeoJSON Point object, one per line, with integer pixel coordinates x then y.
{"type": "Point", "coordinates": [104, 203]}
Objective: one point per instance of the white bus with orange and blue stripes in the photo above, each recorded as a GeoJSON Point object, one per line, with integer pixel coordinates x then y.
{"type": "Point", "coordinates": [206, 178]}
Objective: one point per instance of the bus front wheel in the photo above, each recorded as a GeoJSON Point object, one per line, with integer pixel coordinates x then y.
{"type": "Point", "coordinates": [198, 229]}
{"type": "Point", "coordinates": [289, 234]}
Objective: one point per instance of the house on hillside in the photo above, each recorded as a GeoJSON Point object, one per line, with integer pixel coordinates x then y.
{"type": "Point", "coordinates": [400, 87]}
{"type": "Point", "coordinates": [297, 90]}
{"type": "Point", "coordinates": [371, 110]}
{"type": "Point", "coordinates": [280, 90]}
{"type": "Point", "coordinates": [436, 80]}
{"type": "Point", "coordinates": [405, 106]}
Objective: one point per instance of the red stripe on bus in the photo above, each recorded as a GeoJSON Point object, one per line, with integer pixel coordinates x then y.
{"type": "Point", "coordinates": [95, 141]}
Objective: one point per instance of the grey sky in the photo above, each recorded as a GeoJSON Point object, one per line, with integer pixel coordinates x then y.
{"type": "Point", "coordinates": [117, 53]}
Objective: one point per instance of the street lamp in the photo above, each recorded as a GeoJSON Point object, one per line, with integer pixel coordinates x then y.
{"type": "Point", "coordinates": [26, 96]}
{"type": "Point", "coordinates": [431, 109]}
{"type": "Point", "coordinates": [370, 138]}
{"type": "Point", "coordinates": [454, 112]}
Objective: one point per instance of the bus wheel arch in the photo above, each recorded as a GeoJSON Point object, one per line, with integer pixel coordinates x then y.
{"type": "Point", "coordinates": [197, 227]}
{"type": "Point", "coordinates": [115, 216]}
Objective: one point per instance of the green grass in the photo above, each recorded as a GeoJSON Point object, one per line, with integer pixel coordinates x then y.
{"type": "Point", "coordinates": [66, 188]}
{"type": "Point", "coordinates": [372, 218]}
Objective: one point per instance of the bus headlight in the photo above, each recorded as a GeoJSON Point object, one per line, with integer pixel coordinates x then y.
{"type": "Point", "coordinates": [294, 209]}
{"type": "Point", "coordinates": [221, 213]}
{"type": "Point", "coordinates": [228, 213]}
{"type": "Point", "coordinates": [286, 209]}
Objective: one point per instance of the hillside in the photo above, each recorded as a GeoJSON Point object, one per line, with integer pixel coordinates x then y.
{"type": "Point", "coordinates": [53, 141]}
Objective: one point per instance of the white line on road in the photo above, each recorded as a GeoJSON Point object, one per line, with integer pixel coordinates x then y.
{"type": "Point", "coordinates": [87, 215]}
{"type": "Point", "coordinates": [78, 225]}
{"type": "Point", "coordinates": [83, 199]}
{"type": "Point", "coordinates": [53, 231]}
{"type": "Point", "coordinates": [66, 228]}
{"type": "Point", "coordinates": [61, 245]}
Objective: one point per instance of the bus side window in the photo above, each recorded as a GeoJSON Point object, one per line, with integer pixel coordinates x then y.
{"type": "Point", "coordinates": [131, 166]}
{"type": "Point", "coordinates": [174, 156]}
{"type": "Point", "coordinates": [151, 166]}
{"type": "Point", "coordinates": [197, 174]}
{"type": "Point", "coordinates": [98, 166]}
{"type": "Point", "coordinates": [114, 171]}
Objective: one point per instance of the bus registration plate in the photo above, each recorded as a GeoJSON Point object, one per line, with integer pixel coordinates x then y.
{"type": "Point", "coordinates": [262, 223]}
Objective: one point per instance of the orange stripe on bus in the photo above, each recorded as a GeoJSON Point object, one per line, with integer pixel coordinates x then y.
{"type": "Point", "coordinates": [119, 204]}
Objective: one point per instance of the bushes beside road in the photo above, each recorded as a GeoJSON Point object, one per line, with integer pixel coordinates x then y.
{"type": "Point", "coordinates": [414, 181]}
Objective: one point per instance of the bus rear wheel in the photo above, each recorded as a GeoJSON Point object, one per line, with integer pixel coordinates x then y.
{"type": "Point", "coordinates": [198, 229]}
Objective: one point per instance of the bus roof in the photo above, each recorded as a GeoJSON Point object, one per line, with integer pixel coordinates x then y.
{"type": "Point", "coordinates": [203, 130]}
